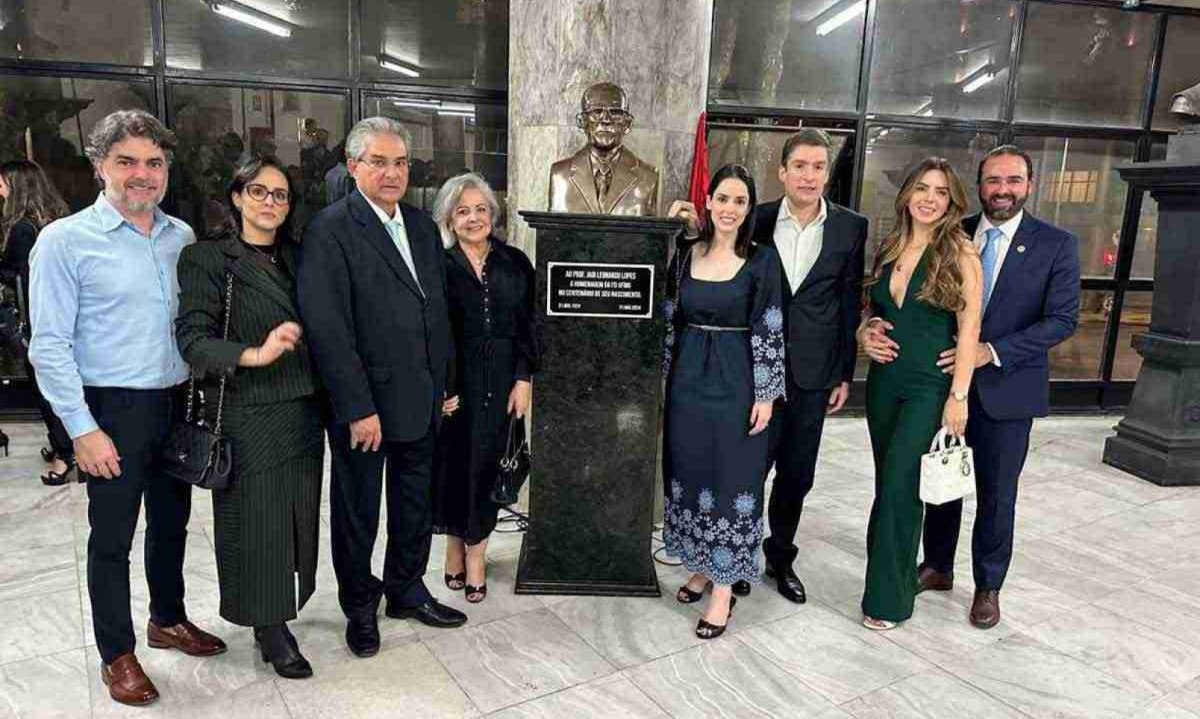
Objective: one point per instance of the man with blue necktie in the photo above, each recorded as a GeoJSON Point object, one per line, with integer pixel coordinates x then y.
{"type": "Point", "coordinates": [1031, 303]}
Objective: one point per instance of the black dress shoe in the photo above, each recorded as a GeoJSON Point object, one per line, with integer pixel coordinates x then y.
{"type": "Point", "coordinates": [279, 647]}
{"type": "Point", "coordinates": [741, 588]}
{"type": "Point", "coordinates": [788, 584]}
{"type": "Point", "coordinates": [432, 612]}
{"type": "Point", "coordinates": [362, 634]}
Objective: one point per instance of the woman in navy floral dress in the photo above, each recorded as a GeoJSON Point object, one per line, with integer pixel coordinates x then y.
{"type": "Point", "coordinates": [724, 368]}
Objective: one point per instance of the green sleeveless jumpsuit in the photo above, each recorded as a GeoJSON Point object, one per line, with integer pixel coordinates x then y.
{"type": "Point", "coordinates": [905, 399]}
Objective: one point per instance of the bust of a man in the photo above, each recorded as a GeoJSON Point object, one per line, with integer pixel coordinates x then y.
{"type": "Point", "coordinates": [1186, 105]}
{"type": "Point", "coordinates": [604, 177]}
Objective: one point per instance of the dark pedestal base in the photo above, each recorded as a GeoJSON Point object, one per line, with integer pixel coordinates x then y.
{"type": "Point", "coordinates": [595, 420]}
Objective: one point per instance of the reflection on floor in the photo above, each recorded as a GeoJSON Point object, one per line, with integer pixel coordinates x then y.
{"type": "Point", "coordinates": [1101, 619]}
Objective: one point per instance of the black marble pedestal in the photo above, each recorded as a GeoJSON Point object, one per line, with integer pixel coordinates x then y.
{"type": "Point", "coordinates": [1159, 438]}
{"type": "Point", "coordinates": [595, 418]}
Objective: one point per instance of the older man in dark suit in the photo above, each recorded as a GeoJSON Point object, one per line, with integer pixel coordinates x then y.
{"type": "Point", "coordinates": [372, 293]}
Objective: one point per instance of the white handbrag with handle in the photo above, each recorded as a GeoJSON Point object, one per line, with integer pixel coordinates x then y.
{"type": "Point", "coordinates": [948, 471]}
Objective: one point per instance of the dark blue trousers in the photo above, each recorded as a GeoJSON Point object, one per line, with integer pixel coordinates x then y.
{"type": "Point", "coordinates": [1000, 448]}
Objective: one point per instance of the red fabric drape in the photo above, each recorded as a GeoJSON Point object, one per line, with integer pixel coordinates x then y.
{"type": "Point", "coordinates": [698, 188]}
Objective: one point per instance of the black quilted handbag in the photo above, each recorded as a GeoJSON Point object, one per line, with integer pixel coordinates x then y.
{"type": "Point", "coordinates": [514, 464]}
{"type": "Point", "coordinates": [196, 453]}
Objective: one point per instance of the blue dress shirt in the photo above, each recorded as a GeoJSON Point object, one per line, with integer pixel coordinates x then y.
{"type": "Point", "coordinates": [103, 300]}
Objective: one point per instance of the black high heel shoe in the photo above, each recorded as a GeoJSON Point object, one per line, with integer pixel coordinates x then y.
{"type": "Point", "coordinates": [455, 581]}
{"type": "Point", "coordinates": [280, 649]}
{"type": "Point", "coordinates": [4, 442]}
{"type": "Point", "coordinates": [57, 479]}
{"type": "Point", "coordinates": [480, 593]}
{"type": "Point", "coordinates": [686, 596]}
{"type": "Point", "coordinates": [706, 630]}
{"type": "Point", "coordinates": [48, 455]}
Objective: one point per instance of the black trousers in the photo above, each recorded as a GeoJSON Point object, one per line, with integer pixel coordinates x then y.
{"type": "Point", "coordinates": [358, 481]}
{"type": "Point", "coordinates": [138, 422]}
{"type": "Point", "coordinates": [794, 439]}
{"type": "Point", "coordinates": [1000, 448]}
{"type": "Point", "coordinates": [56, 433]}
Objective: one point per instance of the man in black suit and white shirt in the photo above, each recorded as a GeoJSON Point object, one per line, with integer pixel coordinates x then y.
{"type": "Point", "coordinates": [372, 293]}
{"type": "Point", "coordinates": [821, 246]}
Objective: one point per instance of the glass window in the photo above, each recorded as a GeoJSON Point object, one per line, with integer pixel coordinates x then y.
{"type": "Point", "coordinates": [449, 138]}
{"type": "Point", "coordinates": [264, 37]}
{"type": "Point", "coordinates": [1135, 319]}
{"type": "Point", "coordinates": [1079, 357]}
{"type": "Point", "coordinates": [758, 148]}
{"type": "Point", "coordinates": [1147, 230]}
{"type": "Point", "coordinates": [457, 43]}
{"type": "Point", "coordinates": [1083, 64]}
{"type": "Point", "coordinates": [1077, 189]}
{"type": "Point", "coordinates": [108, 31]}
{"type": "Point", "coordinates": [935, 58]}
{"type": "Point", "coordinates": [219, 127]}
{"type": "Point", "coordinates": [802, 54]}
{"type": "Point", "coordinates": [47, 119]}
{"type": "Point", "coordinates": [1181, 57]}
{"type": "Point", "coordinates": [893, 151]}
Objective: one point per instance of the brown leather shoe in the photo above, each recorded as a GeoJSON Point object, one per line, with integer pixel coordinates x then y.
{"type": "Point", "coordinates": [985, 610]}
{"type": "Point", "coordinates": [126, 681]}
{"type": "Point", "coordinates": [929, 580]}
{"type": "Point", "coordinates": [186, 637]}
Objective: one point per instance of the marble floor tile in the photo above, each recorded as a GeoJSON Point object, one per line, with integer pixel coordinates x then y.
{"type": "Point", "coordinates": [930, 695]}
{"type": "Point", "coordinates": [1046, 684]}
{"type": "Point", "coordinates": [1164, 708]}
{"type": "Point", "coordinates": [1135, 655]}
{"type": "Point", "coordinates": [37, 528]}
{"type": "Point", "coordinates": [1147, 540]}
{"type": "Point", "coordinates": [1121, 485]}
{"type": "Point", "coordinates": [827, 571]}
{"type": "Point", "coordinates": [824, 517]}
{"type": "Point", "coordinates": [832, 654]}
{"type": "Point", "coordinates": [49, 687]}
{"type": "Point", "coordinates": [631, 630]}
{"type": "Point", "coordinates": [1081, 575]}
{"type": "Point", "coordinates": [41, 625]}
{"type": "Point", "coordinates": [1160, 607]}
{"type": "Point", "coordinates": [41, 570]}
{"type": "Point", "coordinates": [1053, 506]}
{"type": "Point", "coordinates": [405, 681]}
{"type": "Point", "coordinates": [1185, 503]}
{"type": "Point", "coordinates": [1024, 602]}
{"type": "Point", "coordinates": [725, 678]}
{"type": "Point", "coordinates": [261, 700]}
{"type": "Point", "coordinates": [1187, 696]}
{"type": "Point", "coordinates": [613, 697]}
{"type": "Point", "coordinates": [513, 660]}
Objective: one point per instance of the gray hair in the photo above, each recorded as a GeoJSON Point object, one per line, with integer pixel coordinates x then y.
{"type": "Point", "coordinates": [448, 197]}
{"type": "Point", "coordinates": [123, 124]}
{"type": "Point", "coordinates": [356, 141]}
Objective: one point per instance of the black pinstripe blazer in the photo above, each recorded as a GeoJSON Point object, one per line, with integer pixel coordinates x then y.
{"type": "Point", "coordinates": [260, 303]}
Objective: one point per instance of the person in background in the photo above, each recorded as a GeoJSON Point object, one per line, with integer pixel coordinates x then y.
{"type": "Point", "coordinates": [31, 203]}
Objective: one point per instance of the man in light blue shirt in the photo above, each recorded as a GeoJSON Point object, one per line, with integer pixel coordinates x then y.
{"type": "Point", "coordinates": [103, 300]}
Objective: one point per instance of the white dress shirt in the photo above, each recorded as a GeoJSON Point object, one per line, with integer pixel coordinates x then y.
{"type": "Point", "coordinates": [394, 224]}
{"type": "Point", "coordinates": [798, 245]}
{"type": "Point", "coordinates": [1008, 230]}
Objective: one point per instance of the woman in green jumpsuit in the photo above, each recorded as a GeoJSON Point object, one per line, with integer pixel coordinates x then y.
{"type": "Point", "coordinates": [926, 287]}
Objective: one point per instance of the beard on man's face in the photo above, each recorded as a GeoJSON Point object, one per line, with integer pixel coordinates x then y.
{"type": "Point", "coordinates": [1002, 206]}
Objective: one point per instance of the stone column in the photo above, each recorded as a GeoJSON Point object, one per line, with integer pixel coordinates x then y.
{"type": "Point", "coordinates": [656, 49]}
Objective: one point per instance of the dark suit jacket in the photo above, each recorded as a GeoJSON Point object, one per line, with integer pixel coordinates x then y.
{"type": "Point", "coordinates": [381, 347]}
{"type": "Point", "coordinates": [1034, 306]}
{"type": "Point", "coordinates": [821, 316]}
{"type": "Point", "coordinates": [260, 304]}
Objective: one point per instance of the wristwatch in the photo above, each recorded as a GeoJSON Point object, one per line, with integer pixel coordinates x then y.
{"type": "Point", "coordinates": [959, 396]}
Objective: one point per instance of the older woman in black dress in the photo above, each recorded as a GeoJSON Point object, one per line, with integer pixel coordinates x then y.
{"type": "Point", "coordinates": [490, 288]}
{"type": "Point", "coordinates": [266, 522]}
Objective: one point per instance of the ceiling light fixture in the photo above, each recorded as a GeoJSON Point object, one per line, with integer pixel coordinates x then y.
{"type": "Point", "coordinates": [387, 62]}
{"type": "Point", "coordinates": [253, 18]}
{"type": "Point", "coordinates": [843, 17]}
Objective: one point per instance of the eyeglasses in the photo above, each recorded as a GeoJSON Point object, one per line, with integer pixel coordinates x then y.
{"type": "Point", "coordinates": [608, 114]}
{"type": "Point", "coordinates": [259, 193]}
{"type": "Point", "coordinates": [379, 164]}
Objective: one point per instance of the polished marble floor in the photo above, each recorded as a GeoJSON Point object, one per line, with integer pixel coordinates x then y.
{"type": "Point", "coordinates": [1102, 619]}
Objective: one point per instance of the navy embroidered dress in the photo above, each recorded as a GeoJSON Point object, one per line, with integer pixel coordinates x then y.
{"type": "Point", "coordinates": [724, 352]}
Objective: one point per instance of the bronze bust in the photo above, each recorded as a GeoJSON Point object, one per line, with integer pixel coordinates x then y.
{"type": "Point", "coordinates": [604, 177]}
{"type": "Point", "coordinates": [1186, 105]}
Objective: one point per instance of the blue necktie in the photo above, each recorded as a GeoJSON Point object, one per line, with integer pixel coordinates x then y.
{"type": "Point", "coordinates": [991, 250]}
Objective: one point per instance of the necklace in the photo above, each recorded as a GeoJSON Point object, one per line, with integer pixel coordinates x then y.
{"type": "Point", "coordinates": [269, 251]}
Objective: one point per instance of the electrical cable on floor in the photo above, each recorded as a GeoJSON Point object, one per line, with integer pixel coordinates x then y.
{"type": "Point", "coordinates": [660, 552]}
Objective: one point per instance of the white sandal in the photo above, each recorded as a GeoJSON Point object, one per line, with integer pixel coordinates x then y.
{"type": "Point", "coordinates": [878, 625]}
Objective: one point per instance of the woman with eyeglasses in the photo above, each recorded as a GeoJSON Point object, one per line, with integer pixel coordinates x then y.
{"type": "Point", "coordinates": [31, 203]}
{"type": "Point", "coordinates": [266, 522]}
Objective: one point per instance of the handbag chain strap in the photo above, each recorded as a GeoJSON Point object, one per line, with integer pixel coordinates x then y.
{"type": "Point", "coordinates": [224, 377]}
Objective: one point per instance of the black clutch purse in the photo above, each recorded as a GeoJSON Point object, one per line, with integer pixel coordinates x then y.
{"type": "Point", "coordinates": [196, 453]}
{"type": "Point", "coordinates": [13, 330]}
{"type": "Point", "coordinates": [514, 464]}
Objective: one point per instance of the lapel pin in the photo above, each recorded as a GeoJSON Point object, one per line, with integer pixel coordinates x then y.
{"type": "Point", "coordinates": [1020, 248]}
